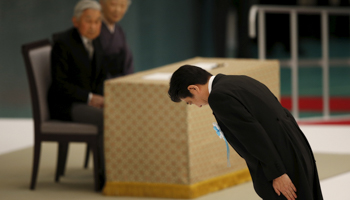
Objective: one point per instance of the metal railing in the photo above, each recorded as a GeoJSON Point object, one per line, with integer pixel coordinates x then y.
{"type": "Point", "coordinates": [294, 62]}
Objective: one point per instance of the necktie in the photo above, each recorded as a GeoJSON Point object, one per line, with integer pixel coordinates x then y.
{"type": "Point", "coordinates": [221, 136]}
{"type": "Point", "coordinates": [90, 48]}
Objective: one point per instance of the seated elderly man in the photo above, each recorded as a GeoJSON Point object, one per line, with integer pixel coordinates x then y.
{"type": "Point", "coordinates": [76, 93]}
{"type": "Point", "coordinates": [119, 61]}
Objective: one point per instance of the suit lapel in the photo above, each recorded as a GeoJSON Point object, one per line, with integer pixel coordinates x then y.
{"type": "Point", "coordinates": [96, 54]}
{"type": "Point", "coordinates": [82, 52]}
{"type": "Point", "coordinates": [96, 62]}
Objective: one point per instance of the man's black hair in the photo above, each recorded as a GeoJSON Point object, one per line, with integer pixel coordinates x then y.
{"type": "Point", "coordinates": [183, 77]}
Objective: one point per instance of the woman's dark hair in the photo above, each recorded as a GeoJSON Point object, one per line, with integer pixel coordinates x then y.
{"type": "Point", "coordinates": [183, 77]}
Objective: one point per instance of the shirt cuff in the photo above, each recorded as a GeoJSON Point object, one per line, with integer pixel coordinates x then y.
{"type": "Point", "coordinates": [90, 97]}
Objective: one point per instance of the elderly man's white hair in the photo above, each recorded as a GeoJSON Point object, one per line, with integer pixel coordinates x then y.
{"type": "Point", "coordinates": [83, 5]}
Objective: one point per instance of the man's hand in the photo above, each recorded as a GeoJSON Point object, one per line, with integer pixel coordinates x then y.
{"type": "Point", "coordinates": [96, 101]}
{"type": "Point", "coordinates": [284, 185]}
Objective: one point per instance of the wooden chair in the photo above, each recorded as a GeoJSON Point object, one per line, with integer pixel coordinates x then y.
{"type": "Point", "coordinates": [37, 61]}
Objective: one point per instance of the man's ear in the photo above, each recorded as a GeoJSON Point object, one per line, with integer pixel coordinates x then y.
{"type": "Point", "coordinates": [193, 89]}
{"type": "Point", "coordinates": [75, 22]}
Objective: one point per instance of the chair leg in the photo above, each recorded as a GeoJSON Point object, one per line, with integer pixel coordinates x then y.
{"type": "Point", "coordinates": [36, 160]}
{"type": "Point", "coordinates": [61, 160]}
{"type": "Point", "coordinates": [64, 162]}
{"type": "Point", "coordinates": [96, 167]}
{"type": "Point", "coordinates": [87, 155]}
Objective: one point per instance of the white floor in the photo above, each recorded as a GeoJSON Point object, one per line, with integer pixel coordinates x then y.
{"type": "Point", "coordinates": [331, 139]}
{"type": "Point", "coordinates": [18, 134]}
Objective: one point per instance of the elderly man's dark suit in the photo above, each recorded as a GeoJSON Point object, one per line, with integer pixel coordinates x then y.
{"type": "Point", "coordinates": [265, 134]}
{"type": "Point", "coordinates": [73, 75]}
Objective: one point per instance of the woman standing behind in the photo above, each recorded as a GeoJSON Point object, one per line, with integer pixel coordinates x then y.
{"type": "Point", "coordinates": [118, 56]}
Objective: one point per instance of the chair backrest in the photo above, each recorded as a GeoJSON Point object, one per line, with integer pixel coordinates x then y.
{"type": "Point", "coordinates": [37, 61]}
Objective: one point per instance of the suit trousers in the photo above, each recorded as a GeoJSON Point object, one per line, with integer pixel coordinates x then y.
{"type": "Point", "coordinates": [84, 113]}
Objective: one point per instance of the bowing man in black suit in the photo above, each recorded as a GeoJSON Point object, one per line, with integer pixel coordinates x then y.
{"type": "Point", "coordinates": [262, 132]}
{"type": "Point", "coordinates": [76, 93]}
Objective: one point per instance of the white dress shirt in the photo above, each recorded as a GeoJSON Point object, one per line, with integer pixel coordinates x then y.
{"type": "Point", "coordinates": [210, 83]}
{"type": "Point", "coordinates": [85, 42]}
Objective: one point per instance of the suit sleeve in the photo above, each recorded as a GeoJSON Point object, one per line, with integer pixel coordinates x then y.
{"type": "Point", "coordinates": [60, 75]}
{"type": "Point", "coordinates": [128, 63]}
{"type": "Point", "coordinates": [234, 116]}
{"type": "Point", "coordinates": [128, 66]}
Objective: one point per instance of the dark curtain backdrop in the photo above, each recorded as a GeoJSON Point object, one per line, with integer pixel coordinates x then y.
{"type": "Point", "coordinates": [22, 22]}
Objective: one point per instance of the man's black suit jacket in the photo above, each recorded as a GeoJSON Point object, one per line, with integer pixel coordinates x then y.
{"type": "Point", "coordinates": [74, 76]}
{"type": "Point", "coordinates": [265, 134]}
